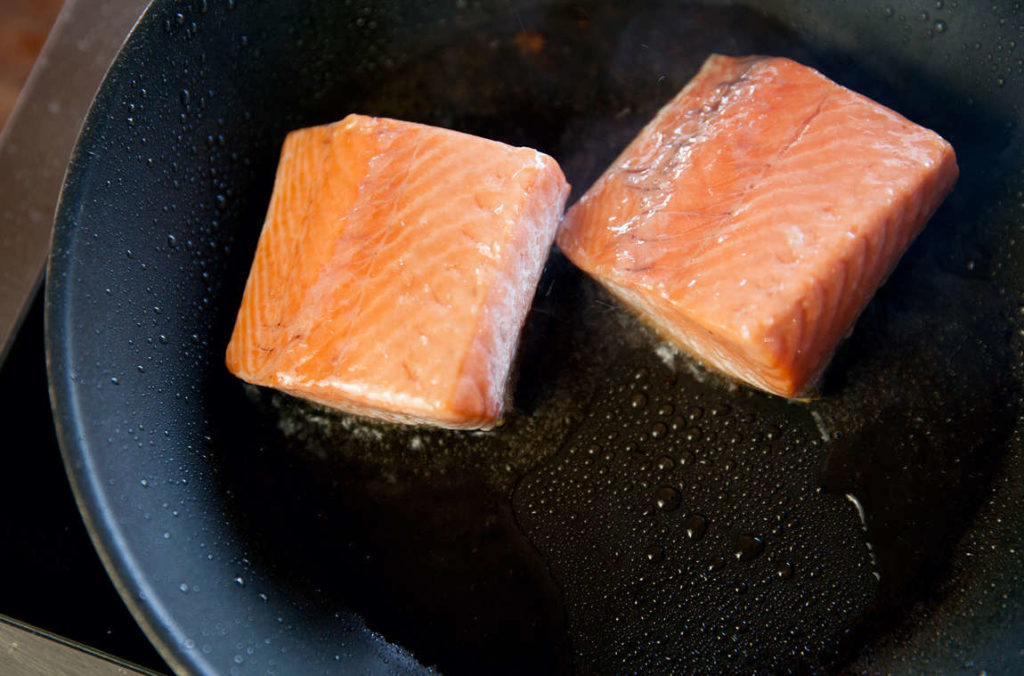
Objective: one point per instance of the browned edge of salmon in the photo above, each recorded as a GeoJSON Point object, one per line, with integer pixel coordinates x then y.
{"type": "Point", "coordinates": [754, 217]}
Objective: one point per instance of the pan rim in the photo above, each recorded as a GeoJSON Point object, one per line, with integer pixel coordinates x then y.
{"type": "Point", "coordinates": [107, 538]}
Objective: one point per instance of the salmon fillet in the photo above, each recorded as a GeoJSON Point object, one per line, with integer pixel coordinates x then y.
{"type": "Point", "coordinates": [754, 217]}
{"type": "Point", "coordinates": [395, 270]}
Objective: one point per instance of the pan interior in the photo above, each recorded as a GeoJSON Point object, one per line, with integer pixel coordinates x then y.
{"type": "Point", "coordinates": [636, 513]}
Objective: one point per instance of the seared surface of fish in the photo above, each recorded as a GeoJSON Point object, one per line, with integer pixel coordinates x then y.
{"type": "Point", "coordinates": [395, 270]}
{"type": "Point", "coordinates": [755, 216]}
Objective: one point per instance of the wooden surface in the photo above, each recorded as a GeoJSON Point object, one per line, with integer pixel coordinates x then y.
{"type": "Point", "coordinates": [24, 25]}
{"type": "Point", "coordinates": [27, 651]}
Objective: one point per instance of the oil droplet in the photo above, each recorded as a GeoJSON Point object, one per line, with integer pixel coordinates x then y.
{"type": "Point", "coordinates": [172, 241]}
{"type": "Point", "coordinates": [692, 434]}
{"type": "Point", "coordinates": [655, 554]}
{"type": "Point", "coordinates": [639, 400]}
{"type": "Point", "coordinates": [748, 547]}
{"type": "Point", "coordinates": [665, 463]}
{"type": "Point", "coordinates": [185, 97]}
{"type": "Point", "coordinates": [667, 499]}
{"type": "Point", "coordinates": [144, 483]}
{"type": "Point", "coordinates": [183, 587]}
{"type": "Point", "coordinates": [695, 526]}
{"type": "Point", "coordinates": [784, 570]}
{"type": "Point", "coordinates": [686, 458]}
{"type": "Point", "coordinates": [740, 588]}
{"type": "Point", "coordinates": [665, 410]}
{"type": "Point", "coordinates": [940, 26]}
{"type": "Point", "coordinates": [240, 581]}
{"type": "Point", "coordinates": [115, 381]}
{"type": "Point", "coordinates": [889, 11]}
{"type": "Point", "coordinates": [716, 563]}
{"type": "Point", "coordinates": [658, 430]}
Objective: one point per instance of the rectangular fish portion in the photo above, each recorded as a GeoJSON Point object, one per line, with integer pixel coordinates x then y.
{"type": "Point", "coordinates": [755, 216]}
{"type": "Point", "coordinates": [395, 269]}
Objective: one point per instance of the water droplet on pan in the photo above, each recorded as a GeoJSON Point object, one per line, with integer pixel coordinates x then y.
{"type": "Point", "coordinates": [667, 499]}
{"type": "Point", "coordinates": [655, 554]}
{"type": "Point", "coordinates": [748, 547]}
{"type": "Point", "coordinates": [695, 526]}
{"type": "Point", "coordinates": [784, 570]}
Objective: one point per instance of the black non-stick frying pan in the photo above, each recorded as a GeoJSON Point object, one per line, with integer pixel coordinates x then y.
{"type": "Point", "coordinates": [635, 514]}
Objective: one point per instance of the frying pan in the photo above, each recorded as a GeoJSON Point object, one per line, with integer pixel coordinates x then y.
{"type": "Point", "coordinates": [635, 513]}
